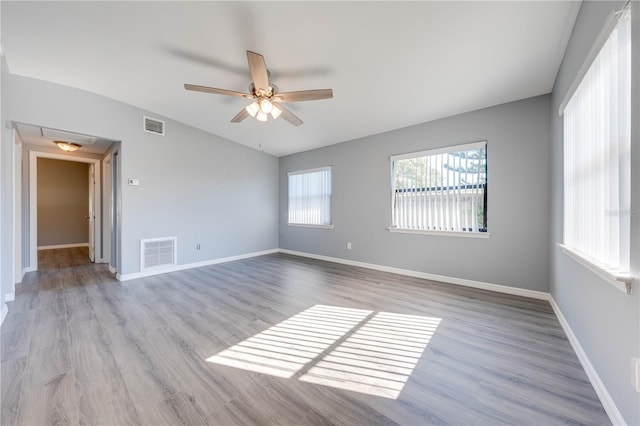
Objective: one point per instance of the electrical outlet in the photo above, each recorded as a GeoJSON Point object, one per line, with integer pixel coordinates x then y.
{"type": "Point", "coordinates": [198, 247]}
{"type": "Point", "coordinates": [349, 245]}
{"type": "Point", "coordinates": [635, 373]}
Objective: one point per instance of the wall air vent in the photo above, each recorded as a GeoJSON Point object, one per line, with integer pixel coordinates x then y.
{"type": "Point", "coordinates": [158, 253]}
{"type": "Point", "coordinates": [152, 125]}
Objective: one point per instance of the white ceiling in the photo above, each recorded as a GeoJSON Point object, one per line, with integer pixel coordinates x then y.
{"type": "Point", "coordinates": [390, 64]}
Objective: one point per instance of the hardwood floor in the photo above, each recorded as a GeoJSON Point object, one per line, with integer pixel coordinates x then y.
{"type": "Point", "coordinates": [279, 339]}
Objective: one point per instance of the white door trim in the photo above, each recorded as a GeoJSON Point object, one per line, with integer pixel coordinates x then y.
{"type": "Point", "coordinates": [91, 217]}
{"type": "Point", "coordinates": [107, 208]}
{"type": "Point", "coordinates": [16, 218]}
{"type": "Point", "coordinates": [33, 201]}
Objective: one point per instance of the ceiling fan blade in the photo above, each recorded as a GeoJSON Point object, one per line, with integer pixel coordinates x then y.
{"type": "Point", "coordinates": [258, 69]}
{"type": "Point", "coordinates": [304, 95]}
{"type": "Point", "coordinates": [207, 89]}
{"type": "Point", "coordinates": [240, 116]}
{"type": "Point", "coordinates": [289, 116]}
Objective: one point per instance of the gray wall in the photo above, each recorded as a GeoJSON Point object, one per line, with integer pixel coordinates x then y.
{"type": "Point", "coordinates": [515, 255]}
{"type": "Point", "coordinates": [63, 202]}
{"type": "Point", "coordinates": [199, 187]}
{"type": "Point", "coordinates": [605, 321]}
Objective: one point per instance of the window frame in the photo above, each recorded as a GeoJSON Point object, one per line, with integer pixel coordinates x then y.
{"type": "Point", "coordinates": [621, 280]}
{"type": "Point", "coordinates": [433, 152]}
{"type": "Point", "coordinates": [308, 171]}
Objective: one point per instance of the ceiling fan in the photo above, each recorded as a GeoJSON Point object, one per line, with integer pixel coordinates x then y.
{"type": "Point", "coordinates": [267, 99]}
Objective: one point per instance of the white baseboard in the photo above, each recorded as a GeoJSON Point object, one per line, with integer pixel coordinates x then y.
{"type": "Point", "coordinates": [112, 269]}
{"type": "Point", "coordinates": [607, 402]}
{"type": "Point", "coordinates": [5, 311]}
{"type": "Point", "coordinates": [148, 273]}
{"type": "Point", "coordinates": [28, 269]}
{"type": "Point", "coordinates": [424, 275]}
{"type": "Point", "coordinates": [9, 297]}
{"type": "Point", "coordinates": [416, 274]}
{"type": "Point", "coordinates": [60, 246]}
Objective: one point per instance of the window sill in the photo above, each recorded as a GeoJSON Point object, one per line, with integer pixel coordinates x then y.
{"type": "Point", "coordinates": [620, 281]}
{"type": "Point", "coordinates": [305, 225]}
{"type": "Point", "coordinates": [441, 233]}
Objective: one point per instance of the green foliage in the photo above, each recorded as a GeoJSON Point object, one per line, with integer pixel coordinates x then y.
{"type": "Point", "coordinates": [466, 167]}
{"type": "Point", "coordinates": [413, 173]}
{"type": "Point", "coordinates": [471, 165]}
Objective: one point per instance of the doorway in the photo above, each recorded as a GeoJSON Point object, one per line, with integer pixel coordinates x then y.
{"type": "Point", "coordinates": [93, 207]}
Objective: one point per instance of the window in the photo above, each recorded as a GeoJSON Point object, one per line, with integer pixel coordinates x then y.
{"type": "Point", "coordinates": [310, 197]}
{"type": "Point", "coordinates": [597, 163]}
{"type": "Point", "coordinates": [441, 190]}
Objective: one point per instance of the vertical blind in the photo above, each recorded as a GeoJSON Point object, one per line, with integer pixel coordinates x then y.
{"type": "Point", "coordinates": [310, 197]}
{"type": "Point", "coordinates": [441, 190]}
{"type": "Point", "coordinates": [597, 161]}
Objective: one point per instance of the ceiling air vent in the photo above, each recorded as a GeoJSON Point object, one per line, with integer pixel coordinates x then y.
{"type": "Point", "coordinates": [158, 253]}
{"type": "Point", "coordinates": [152, 125]}
{"type": "Point", "coordinates": [61, 135]}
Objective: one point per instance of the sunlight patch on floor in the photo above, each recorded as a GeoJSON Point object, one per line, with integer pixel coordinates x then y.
{"type": "Point", "coordinates": [352, 349]}
{"type": "Point", "coordinates": [282, 350]}
{"type": "Point", "coordinates": [378, 358]}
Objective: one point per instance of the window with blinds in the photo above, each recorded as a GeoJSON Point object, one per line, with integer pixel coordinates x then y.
{"type": "Point", "coordinates": [597, 162]}
{"type": "Point", "coordinates": [310, 197]}
{"type": "Point", "coordinates": [441, 190]}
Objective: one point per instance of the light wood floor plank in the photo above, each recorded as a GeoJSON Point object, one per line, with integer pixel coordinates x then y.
{"type": "Point", "coordinates": [96, 375]}
{"type": "Point", "coordinates": [11, 388]}
{"type": "Point", "coordinates": [52, 402]}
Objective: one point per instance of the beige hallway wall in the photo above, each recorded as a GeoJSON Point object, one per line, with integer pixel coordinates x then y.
{"type": "Point", "coordinates": [63, 200]}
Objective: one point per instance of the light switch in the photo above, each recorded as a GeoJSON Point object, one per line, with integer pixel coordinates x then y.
{"type": "Point", "coordinates": [134, 181]}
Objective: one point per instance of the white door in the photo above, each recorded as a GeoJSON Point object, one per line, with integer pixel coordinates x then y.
{"type": "Point", "coordinates": [91, 217]}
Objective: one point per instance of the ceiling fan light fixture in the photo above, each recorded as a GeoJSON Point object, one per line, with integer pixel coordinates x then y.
{"type": "Point", "coordinates": [253, 109]}
{"type": "Point", "coordinates": [67, 146]}
{"type": "Point", "coordinates": [266, 97]}
{"type": "Point", "coordinates": [275, 112]}
{"type": "Point", "coordinates": [266, 106]}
